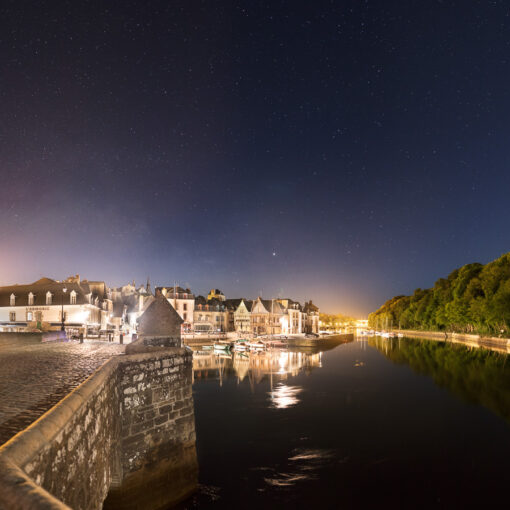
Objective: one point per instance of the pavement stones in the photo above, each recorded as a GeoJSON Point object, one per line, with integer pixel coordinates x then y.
{"type": "Point", "coordinates": [34, 377]}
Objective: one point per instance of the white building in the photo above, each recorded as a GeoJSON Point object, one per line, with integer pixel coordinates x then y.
{"type": "Point", "coordinates": [80, 306]}
{"type": "Point", "coordinates": [292, 321]}
{"type": "Point", "coordinates": [129, 303]}
{"type": "Point", "coordinates": [183, 302]}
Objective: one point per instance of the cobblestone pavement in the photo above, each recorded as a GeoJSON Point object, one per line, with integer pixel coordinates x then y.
{"type": "Point", "coordinates": [34, 377]}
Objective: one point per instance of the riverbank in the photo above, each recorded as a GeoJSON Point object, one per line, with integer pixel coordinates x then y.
{"type": "Point", "coordinates": [493, 343]}
{"type": "Point", "coordinates": [302, 341]}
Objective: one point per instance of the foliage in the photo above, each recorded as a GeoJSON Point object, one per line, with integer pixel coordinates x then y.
{"type": "Point", "coordinates": [473, 299]}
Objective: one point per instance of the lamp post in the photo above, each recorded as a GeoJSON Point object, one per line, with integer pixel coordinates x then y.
{"type": "Point", "coordinates": [64, 290]}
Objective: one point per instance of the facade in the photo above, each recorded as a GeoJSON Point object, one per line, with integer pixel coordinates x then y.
{"type": "Point", "coordinates": [267, 317]}
{"type": "Point", "coordinates": [129, 302]}
{"type": "Point", "coordinates": [80, 306]}
{"type": "Point", "coordinates": [210, 316]}
{"type": "Point", "coordinates": [293, 321]}
{"type": "Point", "coordinates": [242, 316]}
{"type": "Point", "coordinates": [311, 313]}
{"type": "Point", "coordinates": [183, 301]}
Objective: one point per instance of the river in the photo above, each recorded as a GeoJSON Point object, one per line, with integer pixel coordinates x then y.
{"type": "Point", "coordinates": [377, 423]}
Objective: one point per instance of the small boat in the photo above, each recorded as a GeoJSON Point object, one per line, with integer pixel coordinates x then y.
{"type": "Point", "coordinates": [207, 347]}
{"type": "Point", "coordinates": [279, 344]}
{"type": "Point", "coordinates": [400, 335]}
{"type": "Point", "coordinates": [240, 346]}
{"type": "Point", "coordinates": [221, 347]}
{"type": "Point", "coordinates": [256, 346]}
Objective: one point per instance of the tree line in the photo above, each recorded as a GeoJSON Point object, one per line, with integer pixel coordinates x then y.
{"type": "Point", "coordinates": [473, 299]}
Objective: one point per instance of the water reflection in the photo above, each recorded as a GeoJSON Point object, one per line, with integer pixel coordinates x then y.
{"type": "Point", "coordinates": [274, 365]}
{"type": "Point", "coordinates": [284, 396]}
{"type": "Point", "coordinates": [477, 375]}
{"type": "Point", "coordinates": [361, 432]}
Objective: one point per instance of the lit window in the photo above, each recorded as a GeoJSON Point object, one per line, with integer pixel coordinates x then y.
{"type": "Point", "coordinates": [12, 316]}
{"type": "Point", "coordinates": [29, 316]}
{"type": "Point", "coordinates": [48, 298]}
{"type": "Point", "coordinates": [13, 300]}
{"type": "Point", "coordinates": [72, 297]}
{"type": "Point", "coordinates": [30, 299]}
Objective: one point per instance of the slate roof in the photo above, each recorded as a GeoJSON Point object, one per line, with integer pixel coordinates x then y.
{"type": "Point", "coordinates": [170, 290]}
{"type": "Point", "coordinates": [160, 318]}
{"type": "Point", "coordinates": [232, 304]}
{"type": "Point", "coordinates": [40, 288]}
{"type": "Point", "coordinates": [310, 307]}
{"type": "Point", "coordinates": [200, 300]}
{"type": "Point", "coordinates": [118, 309]}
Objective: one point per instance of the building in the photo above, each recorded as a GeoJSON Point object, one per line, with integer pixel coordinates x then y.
{"type": "Point", "coordinates": [129, 303]}
{"type": "Point", "coordinates": [293, 320]}
{"type": "Point", "coordinates": [311, 317]}
{"type": "Point", "coordinates": [240, 315]}
{"type": "Point", "coordinates": [183, 301]}
{"type": "Point", "coordinates": [80, 306]}
{"type": "Point", "coordinates": [267, 317]}
{"type": "Point", "coordinates": [216, 294]}
{"type": "Point", "coordinates": [210, 316]}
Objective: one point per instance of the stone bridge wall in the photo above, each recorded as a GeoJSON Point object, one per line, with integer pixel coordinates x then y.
{"type": "Point", "coordinates": [128, 430]}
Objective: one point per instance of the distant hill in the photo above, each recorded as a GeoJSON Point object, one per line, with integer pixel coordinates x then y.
{"type": "Point", "coordinates": [473, 299]}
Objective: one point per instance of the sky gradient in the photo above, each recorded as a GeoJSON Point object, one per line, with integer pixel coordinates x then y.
{"type": "Point", "coordinates": [340, 151]}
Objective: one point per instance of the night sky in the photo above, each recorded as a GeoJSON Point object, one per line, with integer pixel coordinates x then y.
{"type": "Point", "coordinates": [344, 151]}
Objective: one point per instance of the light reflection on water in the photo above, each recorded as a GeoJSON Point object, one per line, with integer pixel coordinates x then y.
{"type": "Point", "coordinates": [284, 396]}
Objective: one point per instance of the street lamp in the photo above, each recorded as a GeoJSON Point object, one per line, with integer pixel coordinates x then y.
{"type": "Point", "coordinates": [64, 290]}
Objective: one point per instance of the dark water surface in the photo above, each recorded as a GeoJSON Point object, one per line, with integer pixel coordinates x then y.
{"type": "Point", "coordinates": [383, 423]}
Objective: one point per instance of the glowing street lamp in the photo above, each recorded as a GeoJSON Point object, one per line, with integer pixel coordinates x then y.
{"type": "Point", "coordinates": [64, 290]}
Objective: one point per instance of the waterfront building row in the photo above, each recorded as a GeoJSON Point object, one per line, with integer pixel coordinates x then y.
{"type": "Point", "coordinates": [92, 308]}
{"type": "Point", "coordinates": [217, 314]}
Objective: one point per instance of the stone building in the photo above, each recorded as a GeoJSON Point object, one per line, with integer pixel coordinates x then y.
{"type": "Point", "coordinates": [86, 305]}
{"type": "Point", "coordinates": [267, 317]}
{"type": "Point", "coordinates": [311, 316]}
{"type": "Point", "coordinates": [242, 316]}
{"type": "Point", "coordinates": [210, 316]}
{"type": "Point", "coordinates": [183, 301]}
{"type": "Point", "coordinates": [129, 303]}
{"type": "Point", "coordinates": [216, 294]}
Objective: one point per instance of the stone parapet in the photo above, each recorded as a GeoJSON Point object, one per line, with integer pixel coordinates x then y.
{"type": "Point", "coordinates": [128, 429]}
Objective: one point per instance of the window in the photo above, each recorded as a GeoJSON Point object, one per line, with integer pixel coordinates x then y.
{"type": "Point", "coordinates": [185, 306]}
{"type": "Point", "coordinates": [72, 297]}
{"type": "Point", "coordinates": [48, 298]}
{"type": "Point", "coordinates": [12, 316]}
{"type": "Point", "coordinates": [13, 300]}
{"type": "Point", "coordinates": [184, 316]}
{"type": "Point", "coordinates": [30, 299]}
{"type": "Point", "coordinates": [29, 316]}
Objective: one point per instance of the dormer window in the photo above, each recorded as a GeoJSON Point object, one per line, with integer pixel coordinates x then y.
{"type": "Point", "coordinates": [49, 298]}
{"type": "Point", "coordinates": [72, 297]}
{"type": "Point", "coordinates": [13, 300]}
{"type": "Point", "coordinates": [30, 299]}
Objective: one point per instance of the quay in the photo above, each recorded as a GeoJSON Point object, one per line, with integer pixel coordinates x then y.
{"type": "Point", "coordinates": [492, 343]}
{"type": "Point", "coordinates": [123, 437]}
